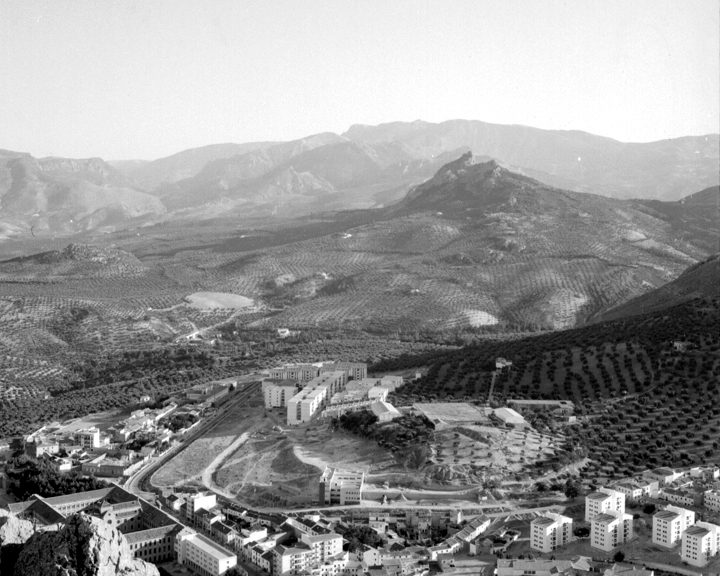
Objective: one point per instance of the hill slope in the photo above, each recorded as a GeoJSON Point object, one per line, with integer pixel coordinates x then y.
{"type": "Point", "coordinates": [574, 160]}
{"type": "Point", "coordinates": [700, 280]}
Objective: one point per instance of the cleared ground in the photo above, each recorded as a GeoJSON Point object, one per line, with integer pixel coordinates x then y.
{"type": "Point", "coordinates": [208, 300]}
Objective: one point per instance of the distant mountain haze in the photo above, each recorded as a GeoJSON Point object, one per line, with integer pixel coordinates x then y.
{"type": "Point", "coordinates": [366, 167]}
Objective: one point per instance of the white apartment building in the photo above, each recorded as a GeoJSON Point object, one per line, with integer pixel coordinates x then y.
{"type": "Point", "coordinates": [712, 500]}
{"type": "Point", "coordinates": [549, 531]}
{"type": "Point", "coordinates": [700, 543]}
{"type": "Point", "coordinates": [604, 500]}
{"type": "Point", "coordinates": [291, 560]}
{"type": "Point", "coordinates": [392, 383]}
{"type": "Point", "coordinates": [669, 524]}
{"type": "Point", "coordinates": [202, 555]}
{"type": "Point", "coordinates": [88, 438]}
{"type": "Point", "coordinates": [340, 486]}
{"type": "Point", "coordinates": [610, 529]}
{"type": "Point", "coordinates": [200, 501]}
{"type": "Point", "coordinates": [306, 403]}
{"type": "Point", "coordinates": [353, 370]}
{"type": "Point", "coordinates": [324, 546]}
{"type": "Point", "coordinates": [277, 396]}
{"type": "Point", "coordinates": [379, 393]}
{"type": "Point", "coordinates": [299, 372]}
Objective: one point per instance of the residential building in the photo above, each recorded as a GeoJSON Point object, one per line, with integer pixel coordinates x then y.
{"type": "Point", "coordinates": [669, 524]}
{"type": "Point", "coordinates": [663, 475]}
{"type": "Point", "coordinates": [610, 529]}
{"type": "Point", "coordinates": [378, 393]}
{"type": "Point", "coordinates": [700, 543]}
{"type": "Point", "coordinates": [290, 559]}
{"type": "Point", "coordinates": [88, 438]}
{"type": "Point", "coordinates": [306, 403]}
{"type": "Point", "coordinates": [384, 411]}
{"type": "Point", "coordinates": [540, 567]}
{"type": "Point", "coordinates": [550, 531]}
{"type": "Point", "coordinates": [685, 496]}
{"type": "Point", "coordinates": [604, 500]}
{"type": "Point", "coordinates": [354, 370]}
{"type": "Point", "coordinates": [277, 396]}
{"type": "Point", "coordinates": [635, 489]}
{"type": "Point", "coordinates": [473, 529]}
{"type": "Point", "coordinates": [340, 486]}
{"type": "Point", "coordinates": [202, 555]}
{"type": "Point", "coordinates": [712, 500]}
{"type": "Point", "coordinates": [109, 466]}
{"type": "Point", "coordinates": [299, 372]}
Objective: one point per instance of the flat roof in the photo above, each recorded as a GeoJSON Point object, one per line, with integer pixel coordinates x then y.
{"type": "Point", "coordinates": [452, 411]}
{"type": "Point", "coordinates": [598, 496]}
{"type": "Point", "coordinates": [208, 546]}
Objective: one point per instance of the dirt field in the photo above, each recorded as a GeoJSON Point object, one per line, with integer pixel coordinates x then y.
{"type": "Point", "coordinates": [209, 300]}
{"type": "Point", "coordinates": [188, 467]}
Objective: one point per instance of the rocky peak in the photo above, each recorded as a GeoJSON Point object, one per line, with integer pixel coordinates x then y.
{"type": "Point", "coordinates": [84, 546]}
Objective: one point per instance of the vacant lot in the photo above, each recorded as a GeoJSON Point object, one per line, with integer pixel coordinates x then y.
{"type": "Point", "coordinates": [208, 300]}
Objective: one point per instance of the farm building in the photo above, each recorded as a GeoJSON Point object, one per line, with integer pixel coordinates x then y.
{"type": "Point", "coordinates": [560, 406]}
{"type": "Point", "coordinates": [444, 415]}
{"type": "Point", "coordinates": [509, 416]}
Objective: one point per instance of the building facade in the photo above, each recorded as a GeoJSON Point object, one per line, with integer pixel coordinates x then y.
{"type": "Point", "coordinates": [700, 543]}
{"type": "Point", "coordinates": [610, 529]}
{"type": "Point", "coordinates": [602, 501]}
{"type": "Point", "coordinates": [549, 531]}
{"type": "Point", "coordinates": [669, 525]}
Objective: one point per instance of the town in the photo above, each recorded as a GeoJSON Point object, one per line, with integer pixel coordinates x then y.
{"type": "Point", "coordinates": [663, 520]}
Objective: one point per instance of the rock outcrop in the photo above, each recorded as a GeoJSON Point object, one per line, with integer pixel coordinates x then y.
{"type": "Point", "coordinates": [14, 532]}
{"type": "Point", "coordinates": [85, 546]}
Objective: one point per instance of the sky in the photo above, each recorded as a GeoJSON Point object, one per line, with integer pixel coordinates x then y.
{"type": "Point", "coordinates": [145, 79]}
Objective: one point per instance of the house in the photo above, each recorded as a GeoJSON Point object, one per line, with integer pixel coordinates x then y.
{"type": "Point", "coordinates": [700, 543]}
{"type": "Point", "coordinates": [712, 500]}
{"type": "Point", "coordinates": [384, 411]}
{"type": "Point", "coordinates": [550, 531]}
{"type": "Point", "coordinates": [669, 524]}
{"type": "Point", "coordinates": [540, 567]}
{"type": "Point", "coordinates": [637, 488]}
{"type": "Point", "coordinates": [686, 496]}
{"type": "Point", "coordinates": [283, 332]}
{"type": "Point", "coordinates": [501, 363]}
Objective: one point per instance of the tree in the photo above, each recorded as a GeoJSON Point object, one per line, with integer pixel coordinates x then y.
{"type": "Point", "coordinates": [619, 556]}
{"type": "Point", "coordinates": [572, 488]}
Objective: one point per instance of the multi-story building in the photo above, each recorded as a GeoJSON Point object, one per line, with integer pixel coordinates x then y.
{"type": "Point", "coordinates": [277, 396]}
{"type": "Point", "coordinates": [610, 529]}
{"type": "Point", "coordinates": [88, 438]}
{"type": "Point", "coordinates": [299, 372]}
{"type": "Point", "coordinates": [635, 489]}
{"type": "Point", "coordinates": [354, 370]}
{"type": "Point", "coordinates": [712, 500]}
{"type": "Point", "coordinates": [202, 555]}
{"type": "Point", "coordinates": [196, 502]}
{"type": "Point", "coordinates": [306, 403]}
{"type": "Point", "coordinates": [150, 533]}
{"type": "Point", "coordinates": [290, 559]}
{"type": "Point", "coordinates": [669, 524]}
{"type": "Point", "coordinates": [549, 531]}
{"type": "Point", "coordinates": [700, 543]}
{"type": "Point", "coordinates": [663, 475]}
{"type": "Point", "coordinates": [340, 487]}
{"type": "Point", "coordinates": [378, 393]}
{"type": "Point", "coordinates": [604, 500]}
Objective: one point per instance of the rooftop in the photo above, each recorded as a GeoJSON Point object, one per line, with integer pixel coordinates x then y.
{"type": "Point", "coordinates": [209, 547]}
{"type": "Point", "coordinates": [666, 515]}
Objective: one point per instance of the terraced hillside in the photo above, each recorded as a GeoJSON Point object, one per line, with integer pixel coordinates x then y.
{"type": "Point", "coordinates": [633, 378]}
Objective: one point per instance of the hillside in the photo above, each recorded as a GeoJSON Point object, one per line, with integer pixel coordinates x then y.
{"type": "Point", "coordinates": [628, 375]}
{"type": "Point", "coordinates": [185, 164]}
{"type": "Point", "coordinates": [700, 280]}
{"type": "Point", "coordinates": [61, 195]}
{"type": "Point", "coordinates": [569, 159]}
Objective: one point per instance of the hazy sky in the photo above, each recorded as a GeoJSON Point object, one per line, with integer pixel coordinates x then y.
{"type": "Point", "coordinates": [145, 79]}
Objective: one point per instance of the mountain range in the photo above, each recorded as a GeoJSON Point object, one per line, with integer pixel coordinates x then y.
{"type": "Point", "coordinates": [365, 167]}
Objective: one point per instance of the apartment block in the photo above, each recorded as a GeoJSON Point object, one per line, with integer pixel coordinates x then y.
{"type": "Point", "coordinates": [700, 543]}
{"type": "Point", "coordinates": [277, 396]}
{"type": "Point", "coordinates": [306, 403]}
{"type": "Point", "coordinates": [202, 555]}
{"type": "Point", "coordinates": [340, 487]}
{"type": "Point", "coordinates": [669, 524]}
{"type": "Point", "coordinates": [712, 500]}
{"type": "Point", "coordinates": [299, 372]}
{"type": "Point", "coordinates": [604, 500]}
{"type": "Point", "coordinates": [88, 438]}
{"type": "Point", "coordinates": [549, 531]}
{"type": "Point", "coordinates": [610, 529]}
{"type": "Point", "coordinates": [354, 370]}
